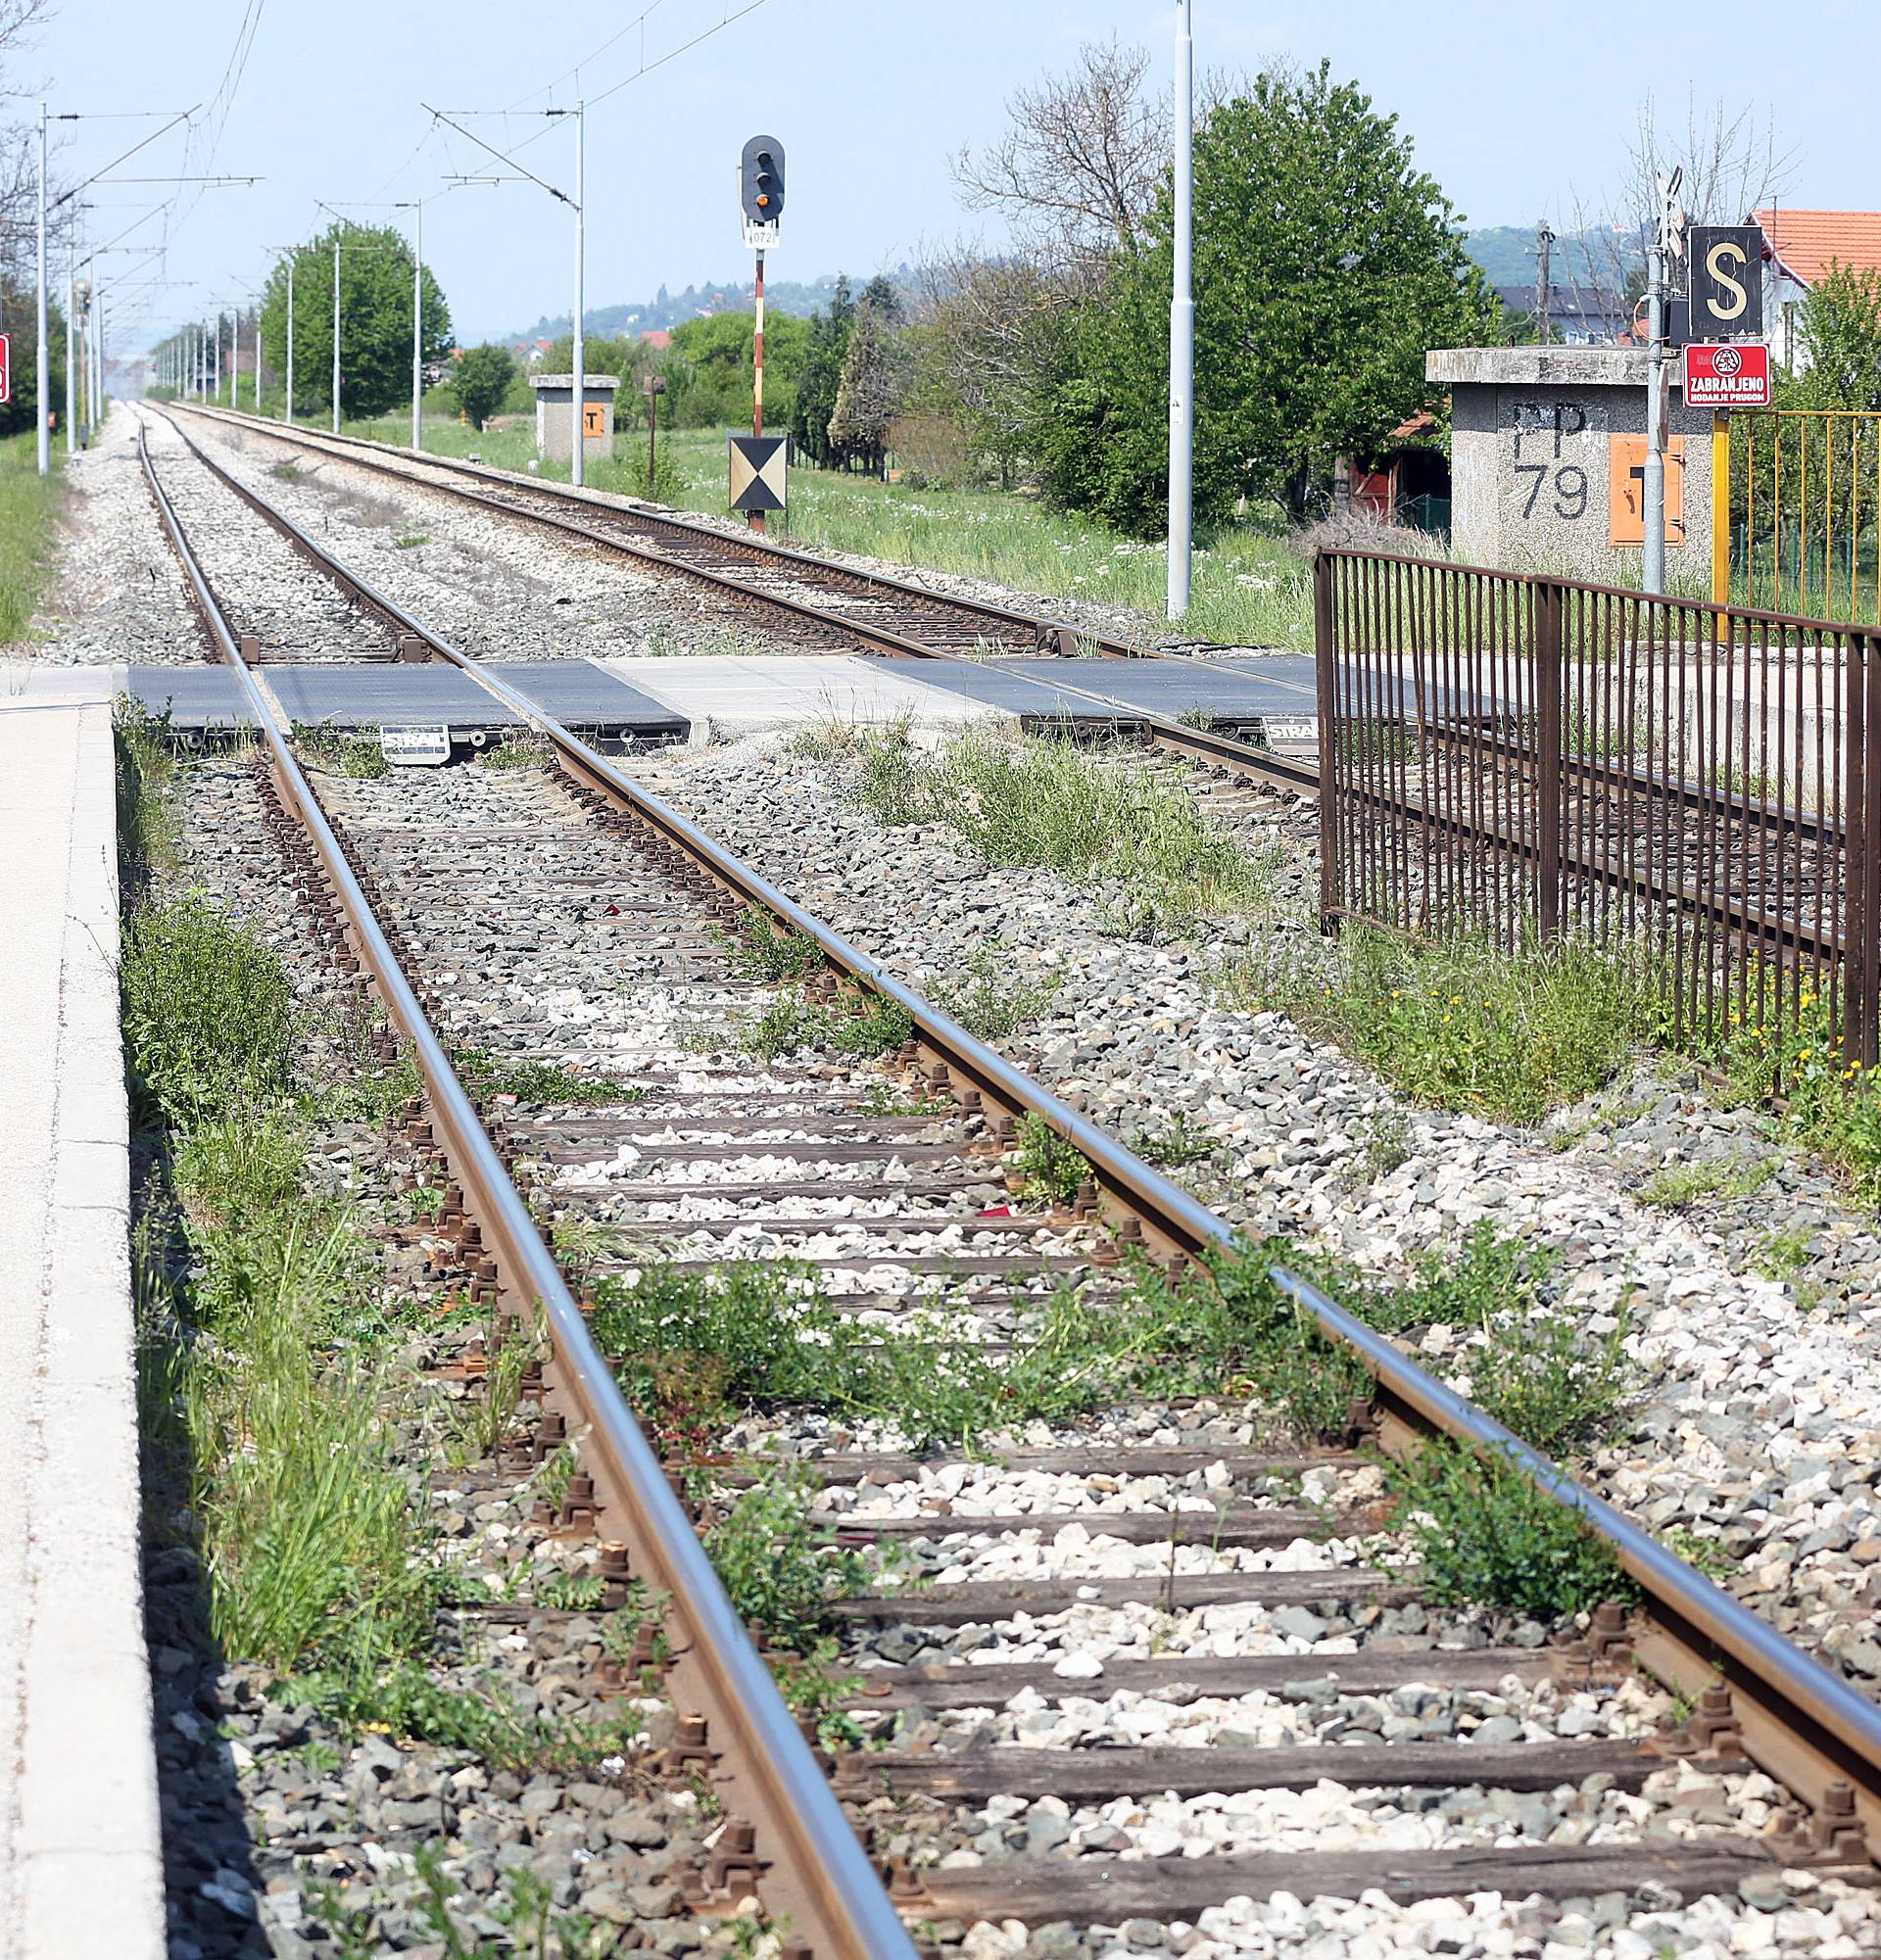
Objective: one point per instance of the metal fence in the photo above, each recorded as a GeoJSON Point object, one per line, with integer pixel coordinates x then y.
{"type": "Point", "coordinates": [1805, 511]}
{"type": "Point", "coordinates": [1530, 757]}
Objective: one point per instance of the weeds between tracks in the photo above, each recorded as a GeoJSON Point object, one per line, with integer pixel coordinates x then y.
{"type": "Point", "coordinates": [1053, 805]}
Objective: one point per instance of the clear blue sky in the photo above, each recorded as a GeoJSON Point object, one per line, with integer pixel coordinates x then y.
{"type": "Point", "coordinates": [1511, 109]}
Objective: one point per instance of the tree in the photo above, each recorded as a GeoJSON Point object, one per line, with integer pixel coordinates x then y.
{"type": "Point", "coordinates": [871, 388]}
{"type": "Point", "coordinates": [375, 320]}
{"type": "Point", "coordinates": [1839, 328]}
{"type": "Point", "coordinates": [708, 374]}
{"type": "Point", "coordinates": [480, 380]}
{"type": "Point", "coordinates": [1076, 172]}
{"type": "Point", "coordinates": [1325, 266]}
{"type": "Point", "coordinates": [826, 348]}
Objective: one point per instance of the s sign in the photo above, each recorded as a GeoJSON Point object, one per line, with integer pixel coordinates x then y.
{"type": "Point", "coordinates": [1727, 281]}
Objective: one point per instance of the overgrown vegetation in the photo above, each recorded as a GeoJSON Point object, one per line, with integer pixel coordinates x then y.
{"type": "Point", "coordinates": [1051, 803]}
{"type": "Point", "coordinates": [30, 507]}
{"type": "Point", "coordinates": [1051, 1170]}
{"type": "Point", "coordinates": [340, 753]}
{"type": "Point", "coordinates": [484, 1073]}
{"type": "Point", "coordinates": [878, 1026]}
{"type": "Point", "coordinates": [1830, 1103]}
{"type": "Point", "coordinates": [1484, 1532]}
{"type": "Point", "coordinates": [1462, 1025]}
{"type": "Point", "coordinates": [779, 1562]}
{"type": "Point", "coordinates": [304, 1519]}
{"type": "Point", "coordinates": [145, 764]}
{"type": "Point", "coordinates": [987, 998]}
{"type": "Point", "coordinates": [208, 1015]}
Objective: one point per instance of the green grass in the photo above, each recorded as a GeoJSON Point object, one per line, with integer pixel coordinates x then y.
{"type": "Point", "coordinates": [339, 753]}
{"type": "Point", "coordinates": [1050, 1170]}
{"type": "Point", "coordinates": [207, 1014]}
{"type": "Point", "coordinates": [778, 1559]}
{"type": "Point", "coordinates": [1461, 1024]}
{"type": "Point", "coordinates": [486, 1074]}
{"type": "Point", "coordinates": [518, 752]}
{"type": "Point", "coordinates": [29, 508]}
{"type": "Point", "coordinates": [1484, 1532]}
{"type": "Point", "coordinates": [148, 825]}
{"type": "Point", "coordinates": [1830, 1104]}
{"type": "Point", "coordinates": [791, 1024]}
{"type": "Point", "coordinates": [1055, 805]}
{"type": "Point", "coordinates": [1248, 589]}
{"type": "Point", "coordinates": [261, 1407]}
{"type": "Point", "coordinates": [1678, 1187]}
{"type": "Point", "coordinates": [987, 998]}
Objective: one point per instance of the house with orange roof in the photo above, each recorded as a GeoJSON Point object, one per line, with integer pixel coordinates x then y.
{"type": "Point", "coordinates": [1804, 246]}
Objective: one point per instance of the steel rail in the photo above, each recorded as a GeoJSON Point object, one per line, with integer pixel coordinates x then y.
{"type": "Point", "coordinates": [1799, 1721]}
{"type": "Point", "coordinates": [747, 546]}
{"type": "Point", "coordinates": [851, 1912]}
{"type": "Point", "coordinates": [1194, 745]}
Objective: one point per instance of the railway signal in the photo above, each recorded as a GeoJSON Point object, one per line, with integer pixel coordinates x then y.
{"type": "Point", "coordinates": [761, 197]}
{"type": "Point", "coordinates": [760, 190]}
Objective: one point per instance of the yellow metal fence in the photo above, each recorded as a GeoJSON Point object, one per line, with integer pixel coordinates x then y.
{"type": "Point", "coordinates": [1796, 512]}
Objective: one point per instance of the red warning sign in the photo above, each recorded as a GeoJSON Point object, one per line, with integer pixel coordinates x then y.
{"type": "Point", "coordinates": [1727, 374]}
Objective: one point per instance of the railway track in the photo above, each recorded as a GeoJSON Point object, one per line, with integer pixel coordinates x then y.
{"type": "Point", "coordinates": [563, 919]}
{"type": "Point", "coordinates": [835, 606]}
{"type": "Point", "coordinates": [1608, 810]}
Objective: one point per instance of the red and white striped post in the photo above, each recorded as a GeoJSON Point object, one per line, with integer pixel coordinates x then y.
{"type": "Point", "coordinates": [755, 518]}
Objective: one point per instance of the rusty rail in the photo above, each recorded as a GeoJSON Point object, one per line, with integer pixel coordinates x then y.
{"type": "Point", "coordinates": [840, 1903]}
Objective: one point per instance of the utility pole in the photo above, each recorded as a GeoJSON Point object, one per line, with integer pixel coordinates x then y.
{"type": "Point", "coordinates": [71, 348]}
{"type": "Point", "coordinates": [257, 356]}
{"type": "Point", "coordinates": [287, 406]}
{"type": "Point", "coordinates": [1652, 486]}
{"type": "Point", "coordinates": [418, 327]}
{"type": "Point", "coordinates": [576, 474]}
{"type": "Point", "coordinates": [336, 330]}
{"type": "Point", "coordinates": [1544, 241]}
{"type": "Point", "coordinates": [1181, 320]}
{"type": "Point", "coordinates": [40, 345]}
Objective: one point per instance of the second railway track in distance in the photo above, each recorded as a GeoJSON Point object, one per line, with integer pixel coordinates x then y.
{"type": "Point", "coordinates": [1154, 1678]}
{"type": "Point", "coordinates": [832, 605]}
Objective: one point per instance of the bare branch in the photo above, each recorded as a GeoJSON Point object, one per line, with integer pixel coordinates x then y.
{"type": "Point", "coordinates": [1077, 170]}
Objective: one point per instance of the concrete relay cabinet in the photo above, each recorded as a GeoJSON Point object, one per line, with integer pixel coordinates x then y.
{"type": "Point", "coordinates": [554, 400]}
{"type": "Point", "coordinates": [1547, 459]}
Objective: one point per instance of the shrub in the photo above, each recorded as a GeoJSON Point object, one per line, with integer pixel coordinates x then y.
{"type": "Point", "coordinates": [1462, 1025]}
{"type": "Point", "coordinates": [1486, 1533]}
{"type": "Point", "coordinates": [208, 1013]}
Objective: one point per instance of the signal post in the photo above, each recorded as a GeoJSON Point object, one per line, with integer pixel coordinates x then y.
{"type": "Point", "coordinates": [757, 462]}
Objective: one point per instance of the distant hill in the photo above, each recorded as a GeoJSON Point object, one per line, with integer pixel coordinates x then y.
{"type": "Point", "coordinates": [1507, 255]}
{"type": "Point", "coordinates": [669, 308]}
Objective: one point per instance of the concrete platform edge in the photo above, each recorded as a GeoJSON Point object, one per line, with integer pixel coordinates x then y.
{"type": "Point", "coordinates": [89, 1853]}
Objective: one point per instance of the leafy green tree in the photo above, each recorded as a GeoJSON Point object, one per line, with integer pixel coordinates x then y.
{"type": "Point", "coordinates": [1325, 266]}
{"type": "Point", "coordinates": [480, 379]}
{"type": "Point", "coordinates": [375, 320]}
{"type": "Point", "coordinates": [19, 318]}
{"type": "Point", "coordinates": [826, 348]}
{"type": "Point", "coordinates": [709, 374]}
{"type": "Point", "coordinates": [1840, 331]}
